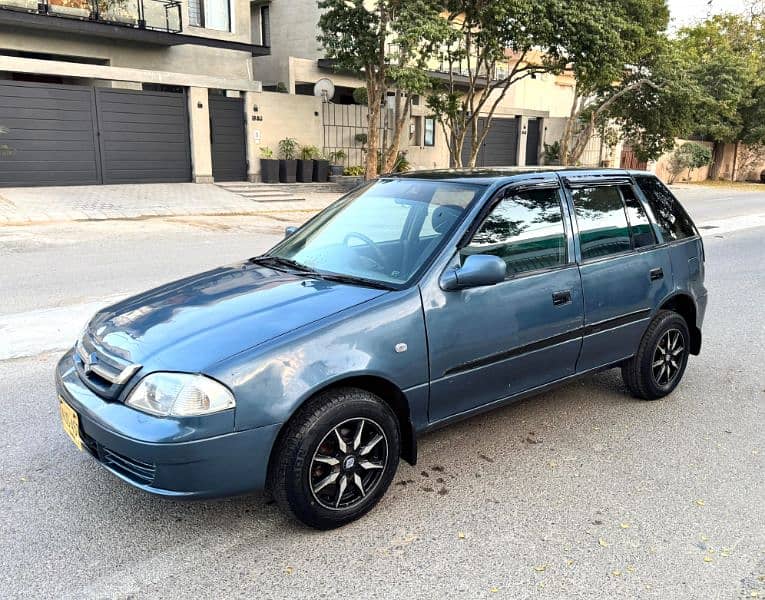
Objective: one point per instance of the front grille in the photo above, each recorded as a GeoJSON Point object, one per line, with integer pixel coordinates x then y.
{"type": "Point", "coordinates": [102, 373]}
{"type": "Point", "coordinates": [136, 470]}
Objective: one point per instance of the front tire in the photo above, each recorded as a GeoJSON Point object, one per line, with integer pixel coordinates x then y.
{"type": "Point", "coordinates": [336, 458]}
{"type": "Point", "coordinates": [662, 356]}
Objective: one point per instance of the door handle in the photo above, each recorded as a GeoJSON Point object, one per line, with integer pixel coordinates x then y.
{"type": "Point", "coordinates": [656, 274]}
{"type": "Point", "coordinates": [561, 298]}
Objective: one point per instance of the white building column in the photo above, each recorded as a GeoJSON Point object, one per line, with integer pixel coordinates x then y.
{"type": "Point", "coordinates": [199, 129]}
{"type": "Point", "coordinates": [252, 133]}
{"type": "Point", "coordinates": [522, 135]}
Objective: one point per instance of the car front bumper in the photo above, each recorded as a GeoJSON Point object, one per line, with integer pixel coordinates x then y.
{"type": "Point", "coordinates": [190, 467]}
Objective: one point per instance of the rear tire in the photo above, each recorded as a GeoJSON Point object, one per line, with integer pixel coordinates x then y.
{"type": "Point", "coordinates": [336, 458]}
{"type": "Point", "coordinates": [662, 356]}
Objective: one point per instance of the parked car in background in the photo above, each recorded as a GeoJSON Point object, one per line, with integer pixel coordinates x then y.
{"type": "Point", "coordinates": [411, 302]}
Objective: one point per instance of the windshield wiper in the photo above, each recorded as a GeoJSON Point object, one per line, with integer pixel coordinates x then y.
{"type": "Point", "coordinates": [352, 280]}
{"type": "Point", "coordinates": [277, 261]}
{"type": "Point", "coordinates": [294, 266]}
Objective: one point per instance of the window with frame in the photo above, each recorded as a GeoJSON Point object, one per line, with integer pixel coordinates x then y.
{"type": "Point", "coordinates": [641, 230]}
{"type": "Point", "coordinates": [210, 14]}
{"type": "Point", "coordinates": [670, 217]}
{"type": "Point", "coordinates": [429, 138]}
{"type": "Point", "coordinates": [602, 220]}
{"type": "Point", "coordinates": [265, 25]}
{"type": "Point", "coordinates": [525, 230]}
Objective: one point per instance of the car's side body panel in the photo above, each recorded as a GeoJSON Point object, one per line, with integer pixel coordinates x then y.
{"type": "Point", "coordinates": [382, 338]}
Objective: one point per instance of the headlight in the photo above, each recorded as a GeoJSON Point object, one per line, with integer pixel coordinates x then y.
{"type": "Point", "coordinates": [180, 395]}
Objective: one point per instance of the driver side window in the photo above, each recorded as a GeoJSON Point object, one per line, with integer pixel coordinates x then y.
{"type": "Point", "coordinates": [525, 230]}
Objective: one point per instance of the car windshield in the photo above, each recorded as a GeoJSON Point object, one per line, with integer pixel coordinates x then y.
{"type": "Point", "coordinates": [384, 232]}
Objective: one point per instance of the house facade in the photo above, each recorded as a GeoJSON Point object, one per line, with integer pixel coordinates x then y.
{"type": "Point", "coordinates": [113, 91]}
{"type": "Point", "coordinates": [117, 91]}
{"type": "Point", "coordinates": [532, 113]}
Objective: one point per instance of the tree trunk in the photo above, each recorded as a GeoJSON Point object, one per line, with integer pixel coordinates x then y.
{"type": "Point", "coordinates": [717, 158]}
{"type": "Point", "coordinates": [400, 120]}
{"type": "Point", "coordinates": [373, 131]}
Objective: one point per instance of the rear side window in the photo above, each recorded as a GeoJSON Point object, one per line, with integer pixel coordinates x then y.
{"type": "Point", "coordinates": [525, 230]}
{"type": "Point", "coordinates": [603, 228]}
{"type": "Point", "coordinates": [673, 222]}
{"type": "Point", "coordinates": [640, 227]}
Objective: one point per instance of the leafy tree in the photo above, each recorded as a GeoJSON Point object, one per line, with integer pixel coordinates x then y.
{"type": "Point", "coordinates": [725, 55]}
{"type": "Point", "coordinates": [632, 43]}
{"type": "Point", "coordinates": [492, 45]}
{"type": "Point", "coordinates": [390, 42]}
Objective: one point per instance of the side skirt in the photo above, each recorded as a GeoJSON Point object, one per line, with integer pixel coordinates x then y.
{"type": "Point", "coordinates": [515, 398]}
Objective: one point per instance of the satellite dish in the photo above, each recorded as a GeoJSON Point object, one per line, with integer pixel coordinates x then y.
{"type": "Point", "coordinates": [324, 89]}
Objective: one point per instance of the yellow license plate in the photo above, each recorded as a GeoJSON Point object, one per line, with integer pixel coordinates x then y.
{"type": "Point", "coordinates": [71, 422]}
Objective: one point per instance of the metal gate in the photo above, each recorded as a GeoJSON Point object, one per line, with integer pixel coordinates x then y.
{"type": "Point", "coordinates": [227, 135]}
{"type": "Point", "coordinates": [345, 129]}
{"type": "Point", "coordinates": [143, 136]}
{"type": "Point", "coordinates": [48, 135]}
{"type": "Point", "coordinates": [499, 148]}
{"type": "Point", "coordinates": [71, 135]}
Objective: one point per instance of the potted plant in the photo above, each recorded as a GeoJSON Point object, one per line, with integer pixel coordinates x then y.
{"type": "Point", "coordinates": [305, 164]}
{"type": "Point", "coordinates": [336, 159]}
{"type": "Point", "coordinates": [321, 168]}
{"type": "Point", "coordinates": [287, 160]}
{"type": "Point", "coordinates": [269, 166]}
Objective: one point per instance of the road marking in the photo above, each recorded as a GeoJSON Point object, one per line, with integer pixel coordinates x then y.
{"type": "Point", "coordinates": [731, 224]}
{"type": "Point", "coordinates": [36, 331]}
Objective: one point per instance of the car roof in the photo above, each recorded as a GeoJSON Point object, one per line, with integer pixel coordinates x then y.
{"type": "Point", "coordinates": [494, 175]}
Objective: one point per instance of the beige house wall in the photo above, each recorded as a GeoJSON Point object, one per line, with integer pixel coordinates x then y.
{"type": "Point", "coordinates": [189, 59]}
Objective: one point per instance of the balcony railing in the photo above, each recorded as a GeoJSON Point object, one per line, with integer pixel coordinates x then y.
{"type": "Point", "coordinates": [157, 15]}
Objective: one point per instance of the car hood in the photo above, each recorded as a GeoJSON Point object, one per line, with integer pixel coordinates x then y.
{"type": "Point", "coordinates": [195, 322]}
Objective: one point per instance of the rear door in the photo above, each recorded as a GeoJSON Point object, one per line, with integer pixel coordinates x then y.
{"type": "Point", "coordinates": [625, 272]}
{"type": "Point", "coordinates": [489, 343]}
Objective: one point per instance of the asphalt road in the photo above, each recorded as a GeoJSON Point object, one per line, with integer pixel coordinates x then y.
{"type": "Point", "coordinates": [579, 493]}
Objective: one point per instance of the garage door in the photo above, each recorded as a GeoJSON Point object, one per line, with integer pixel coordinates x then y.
{"type": "Point", "coordinates": [144, 136]}
{"type": "Point", "coordinates": [229, 152]}
{"type": "Point", "coordinates": [48, 136]}
{"type": "Point", "coordinates": [499, 148]}
{"type": "Point", "coordinates": [66, 135]}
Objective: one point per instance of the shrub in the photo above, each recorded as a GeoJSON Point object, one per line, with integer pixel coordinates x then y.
{"type": "Point", "coordinates": [288, 148]}
{"type": "Point", "coordinates": [360, 95]}
{"type": "Point", "coordinates": [354, 171]}
{"type": "Point", "coordinates": [688, 156]}
{"type": "Point", "coordinates": [266, 152]}
{"type": "Point", "coordinates": [337, 157]}
{"type": "Point", "coordinates": [309, 152]}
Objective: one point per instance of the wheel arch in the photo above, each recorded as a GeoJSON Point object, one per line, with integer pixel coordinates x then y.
{"type": "Point", "coordinates": [381, 387]}
{"type": "Point", "coordinates": [684, 305]}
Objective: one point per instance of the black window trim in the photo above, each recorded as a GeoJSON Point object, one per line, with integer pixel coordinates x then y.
{"type": "Point", "coordinates": [505, 192]}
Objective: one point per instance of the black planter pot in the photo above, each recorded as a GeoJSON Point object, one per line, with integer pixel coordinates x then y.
{"type": "Point", "coordinates": [336, 169]}
{"type": "Point", "coordinates": [269, 170]}
{"type": "Point", "coordinates": [287, 171]}
{"type": "Point", "coordinates": [305, 170]}
{"type": "Point", "coordinates": [321, 171]}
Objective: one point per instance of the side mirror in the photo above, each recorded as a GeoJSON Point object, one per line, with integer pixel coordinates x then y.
{"type": "Point", "coordinates": [478, 270]}
{"type": "Point", "coordinates": [288, 231]}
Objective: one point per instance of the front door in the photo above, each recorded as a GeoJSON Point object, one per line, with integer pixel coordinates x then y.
{"type": "Point", "coordinates": [489, 343]}
{"type": "Point", "coordinates": [624, 272]}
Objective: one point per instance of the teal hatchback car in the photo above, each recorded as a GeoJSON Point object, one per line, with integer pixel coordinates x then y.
{"type": "Point", "coordinates": [409, 303]}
